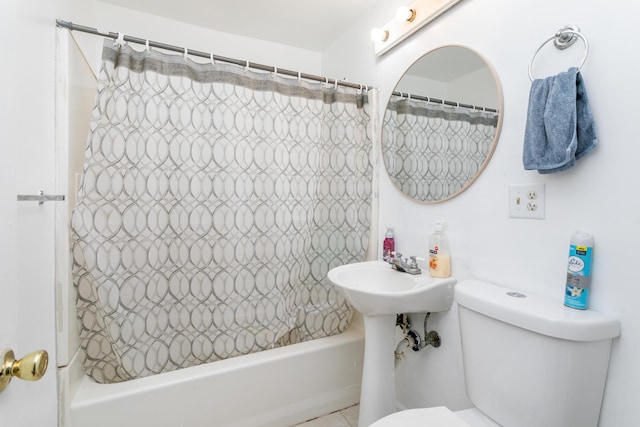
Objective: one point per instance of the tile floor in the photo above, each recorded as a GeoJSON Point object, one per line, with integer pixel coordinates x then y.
{"type": "Point", "coordinates": [347, 417]}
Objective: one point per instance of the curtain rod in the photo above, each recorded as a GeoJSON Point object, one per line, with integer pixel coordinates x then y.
{"type": "Point", "coordinates": [442, 101]}
{"type": "Point", "coordinates": [243, 63]}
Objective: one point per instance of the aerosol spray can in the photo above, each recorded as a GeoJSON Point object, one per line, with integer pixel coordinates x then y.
{"type": "Point", "coordinates": [579, 271]}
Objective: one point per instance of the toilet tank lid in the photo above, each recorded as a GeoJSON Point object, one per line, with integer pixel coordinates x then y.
{"type": "Point", "coordinates": [535, 313]}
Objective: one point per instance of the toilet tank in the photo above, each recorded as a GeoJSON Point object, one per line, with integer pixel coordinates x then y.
{"type": "Point", "coordinates": [530, 361]}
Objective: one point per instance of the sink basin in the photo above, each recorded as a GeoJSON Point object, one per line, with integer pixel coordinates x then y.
{"type": "Point", "coordinates": [374, 289]}
{"type": "Point", "coordinates": [379, 292]}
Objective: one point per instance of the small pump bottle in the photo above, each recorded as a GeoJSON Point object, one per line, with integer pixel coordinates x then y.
{"type": "Point", "coordinates": [388, 245]}
{"type": "Point", "coordinates": [439, 259]}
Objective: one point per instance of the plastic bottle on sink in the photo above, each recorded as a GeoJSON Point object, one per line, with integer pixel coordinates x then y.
{"type": "Point", "coordinates": [439, 258]}
{"type": "Point", "coordinates": [388, 245]}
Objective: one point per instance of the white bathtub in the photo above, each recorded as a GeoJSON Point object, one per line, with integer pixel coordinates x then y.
{"type": "Point", "coordinates": [279, 387]}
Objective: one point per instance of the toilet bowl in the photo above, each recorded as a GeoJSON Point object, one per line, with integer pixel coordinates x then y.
{"type": "Point", "coordinates": [528, 362]}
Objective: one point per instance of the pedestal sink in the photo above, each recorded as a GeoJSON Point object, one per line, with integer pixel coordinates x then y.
{"type": "Point", "coordinates": [379, 293]}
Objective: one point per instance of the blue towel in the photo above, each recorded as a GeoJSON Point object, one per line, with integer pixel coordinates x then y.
{"type": "Point", "coordinates": [560, 127]}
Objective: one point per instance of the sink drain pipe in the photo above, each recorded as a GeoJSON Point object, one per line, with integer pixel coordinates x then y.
{"type": "Point", "coordinates": [412, 339]}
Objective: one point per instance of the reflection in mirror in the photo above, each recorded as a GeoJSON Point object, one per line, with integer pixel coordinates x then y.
{"type": "Point", "coordinates": [441, 124]}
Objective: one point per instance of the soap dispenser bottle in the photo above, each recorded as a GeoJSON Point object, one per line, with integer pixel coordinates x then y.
{"type": "Point", "coordinates": [388, 245]}
{"type": "Point", "coordinates": [439, 259]}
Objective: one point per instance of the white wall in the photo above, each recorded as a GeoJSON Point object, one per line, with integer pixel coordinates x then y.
{"type": "Point", "coordinates": [598, 195]}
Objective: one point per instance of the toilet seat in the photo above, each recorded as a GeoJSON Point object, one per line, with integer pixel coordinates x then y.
{"type": "Point", "coordinates": [439, 416]}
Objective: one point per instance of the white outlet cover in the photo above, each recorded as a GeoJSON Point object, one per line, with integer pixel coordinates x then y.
{"type": "Point", "coordinates": [526, 201]}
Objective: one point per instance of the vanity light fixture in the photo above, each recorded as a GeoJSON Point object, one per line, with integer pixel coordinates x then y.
{"type": "Point", "coordinates": [407, 21]}
{"type": "Point", "coordinates": [404, 14]}
{"type": "Point", "coordinates": [379, 35]}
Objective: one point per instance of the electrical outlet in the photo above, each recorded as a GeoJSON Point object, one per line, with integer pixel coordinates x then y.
{"type": "Point", "coordinates": [526, 201]}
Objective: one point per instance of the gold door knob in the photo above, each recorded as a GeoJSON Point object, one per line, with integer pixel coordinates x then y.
{"type": "Point", "coordinates": [30, 368]}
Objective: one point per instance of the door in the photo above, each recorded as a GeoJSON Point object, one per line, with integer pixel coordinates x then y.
{"type": "Point", "coordinates": [27, 303]}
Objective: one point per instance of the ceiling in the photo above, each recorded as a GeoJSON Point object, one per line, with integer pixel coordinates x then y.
{"type": "Point", "coordinates": [306, 24]}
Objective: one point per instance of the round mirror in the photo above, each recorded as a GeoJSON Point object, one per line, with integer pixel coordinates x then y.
{"type": "Point", "coordinates": [441, 124]}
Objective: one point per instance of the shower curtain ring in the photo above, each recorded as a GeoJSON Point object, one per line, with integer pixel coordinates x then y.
{"type": "Point", "coordinates": [146, 45]}
{"type": "Point", "coordinates": [120, 40]}
{"type": "Point", "coordinates": [186, 52]}
{"type": "Point", "coordinates": [213, 61]}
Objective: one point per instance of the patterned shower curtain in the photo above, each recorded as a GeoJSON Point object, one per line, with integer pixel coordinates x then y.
{"type": "Point", "coordinates": [432, 150]}
{"type": "Point", "coordinates": [214, 201]}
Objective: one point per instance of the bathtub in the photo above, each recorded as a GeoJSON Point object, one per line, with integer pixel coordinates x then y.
{"type": "Point", "coordinates": [279, 387]}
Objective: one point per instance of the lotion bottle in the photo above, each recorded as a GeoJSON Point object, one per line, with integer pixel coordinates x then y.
{"type": "Point", "coordinates": [439, 259]}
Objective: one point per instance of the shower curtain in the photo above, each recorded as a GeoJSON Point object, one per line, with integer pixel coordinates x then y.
{"type": "Point", "coordinates": [432, 150]}
{"type": "Point", "coordinates": [214, 200]}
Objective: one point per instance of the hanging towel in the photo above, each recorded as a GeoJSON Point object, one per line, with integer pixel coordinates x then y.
{"type": "Point", "coordinates": [560, 127]}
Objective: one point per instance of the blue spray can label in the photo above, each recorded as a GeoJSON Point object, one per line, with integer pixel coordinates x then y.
{"type": "Point", "coordinates": [579, 271]}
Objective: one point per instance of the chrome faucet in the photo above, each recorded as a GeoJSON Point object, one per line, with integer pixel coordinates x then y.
{"type": "Point", "coordinates": [405, 265]}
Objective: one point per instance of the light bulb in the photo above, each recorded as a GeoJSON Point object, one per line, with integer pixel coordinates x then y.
{"type": "Point", "coordinates": [379, 35]}
{"type": "Point", "coordinates": [404, 14]}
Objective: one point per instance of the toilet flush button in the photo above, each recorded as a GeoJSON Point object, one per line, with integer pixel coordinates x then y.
{"type": "Point", "coordinates": [516, 294]}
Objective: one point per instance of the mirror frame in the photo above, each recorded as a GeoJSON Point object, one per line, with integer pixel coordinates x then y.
{"type": "Point", "coordinates": [496, 137]}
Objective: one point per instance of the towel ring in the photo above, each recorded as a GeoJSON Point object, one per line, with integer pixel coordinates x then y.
{"type": "Point", "coordinates": [562, 39]}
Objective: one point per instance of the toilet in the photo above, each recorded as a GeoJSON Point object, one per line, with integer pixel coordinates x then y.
{"type": "Point", "coordinates": [528, 362]}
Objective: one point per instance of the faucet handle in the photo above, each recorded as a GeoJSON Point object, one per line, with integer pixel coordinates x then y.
{"type": "Point", "coordinates": [414, 260]}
